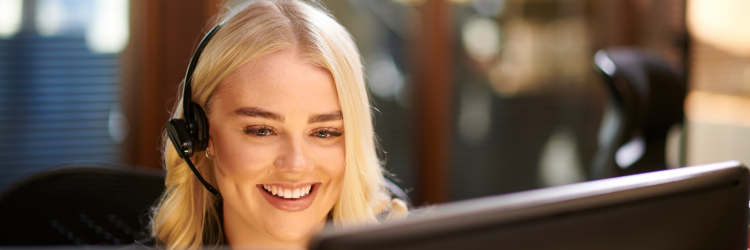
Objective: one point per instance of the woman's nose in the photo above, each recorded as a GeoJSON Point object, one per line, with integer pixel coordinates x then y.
{"type": "Point", "coordinates": [294, 157]}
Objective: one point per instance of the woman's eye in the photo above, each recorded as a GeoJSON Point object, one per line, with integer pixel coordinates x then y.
{"type": "Point", "coordinates": [259, 131]}
{"type": "Point", "coordinates": [327, 133]}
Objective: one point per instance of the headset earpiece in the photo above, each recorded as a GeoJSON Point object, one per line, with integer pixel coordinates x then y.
{"type": "Point", "coordinates": [191, 136]}
{"type": "Point", "coordinates": [178, 133]}
{"type": "Point", "coordinates": [198, 126]}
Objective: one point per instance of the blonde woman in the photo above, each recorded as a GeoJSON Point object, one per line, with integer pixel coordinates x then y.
{"type": "Point", "coordinates": [290, 144]}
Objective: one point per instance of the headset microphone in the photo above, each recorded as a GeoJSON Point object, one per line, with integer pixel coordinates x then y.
{"type": "Point", "coordinates": [190, 135]}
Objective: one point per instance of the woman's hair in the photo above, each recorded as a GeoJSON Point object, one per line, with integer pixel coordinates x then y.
{"type": "Point", "coordinates": [187, 215]}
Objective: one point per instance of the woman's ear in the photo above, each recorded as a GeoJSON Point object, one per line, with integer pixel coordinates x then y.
{"type": "Point", "coordinates": [210, 148]}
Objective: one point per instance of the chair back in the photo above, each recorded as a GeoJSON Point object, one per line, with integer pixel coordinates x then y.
{"type": "Point", "coordinates": [646, 100]}
{"type": "Point", "coordinates": [80, 203]}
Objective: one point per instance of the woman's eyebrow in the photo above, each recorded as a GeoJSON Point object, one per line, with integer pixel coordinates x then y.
{"type": "Point", "coordinates": [333, 116]}
{"type": "Point", "coordinates": [258, 112]}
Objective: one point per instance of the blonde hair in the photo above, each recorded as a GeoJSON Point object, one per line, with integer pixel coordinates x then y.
{"type": "Point", "coordinates": [187, 215]}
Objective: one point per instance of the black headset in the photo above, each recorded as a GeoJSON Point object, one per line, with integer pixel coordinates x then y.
{"type": "Point", "coordinates": [190, 135]}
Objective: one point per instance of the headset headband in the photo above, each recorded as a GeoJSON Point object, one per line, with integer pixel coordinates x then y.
{"type": "Point", "coordinates": [187, 92]}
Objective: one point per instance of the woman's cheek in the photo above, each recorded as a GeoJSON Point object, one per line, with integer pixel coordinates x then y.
{"type": "Point", "coordinates": [244, 160]}
{"type": "Point", "coordinates": [332, 160]}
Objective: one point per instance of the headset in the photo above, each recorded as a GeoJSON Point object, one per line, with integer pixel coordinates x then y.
{"type": "Point", "coordinates": [190, 135]}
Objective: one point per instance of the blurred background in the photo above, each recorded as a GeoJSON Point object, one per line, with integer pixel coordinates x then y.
{"type": "Point", "coordinates": [472, 97]}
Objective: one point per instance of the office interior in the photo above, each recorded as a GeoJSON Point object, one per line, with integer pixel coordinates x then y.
{"type": "Point", "coordinates": [471, 98]}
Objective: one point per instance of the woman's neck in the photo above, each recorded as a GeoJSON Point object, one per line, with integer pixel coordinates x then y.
{"type": "Point", "coordinates": [241, 235]}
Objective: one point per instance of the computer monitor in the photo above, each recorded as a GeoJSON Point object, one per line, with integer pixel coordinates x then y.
{"type": "Point", "coordinates": [700, 207]}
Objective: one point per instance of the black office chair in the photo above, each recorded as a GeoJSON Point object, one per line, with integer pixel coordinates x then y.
{"type": "Point", "coordinates": [646, 100]}
{"type": "Point", "coordinates": [79, 203]}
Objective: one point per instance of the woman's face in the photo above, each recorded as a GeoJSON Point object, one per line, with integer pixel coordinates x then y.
{"type": "Point", "coordinates": [277, 140]}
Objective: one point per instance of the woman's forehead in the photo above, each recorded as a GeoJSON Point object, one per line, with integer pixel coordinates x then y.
{"type": "Point", "coordinates": [281, 81]}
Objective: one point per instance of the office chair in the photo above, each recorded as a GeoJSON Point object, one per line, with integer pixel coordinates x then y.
{"type": "Point", "coordinates": [646, 100]}
{"type": "Point", "coordinates": [79, 203]}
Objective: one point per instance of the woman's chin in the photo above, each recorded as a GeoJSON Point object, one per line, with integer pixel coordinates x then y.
{"type": "Point", "coordinates": [294, 231]}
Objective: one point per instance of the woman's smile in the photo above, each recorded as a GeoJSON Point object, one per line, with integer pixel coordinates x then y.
{"type": "Point", "coordinates": [290, 197]}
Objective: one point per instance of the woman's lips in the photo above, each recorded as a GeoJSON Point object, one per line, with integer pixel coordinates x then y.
{"type": "Point", "coordinates": [289, 204]}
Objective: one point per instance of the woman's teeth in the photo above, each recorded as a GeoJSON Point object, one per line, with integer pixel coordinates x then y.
{"type": "Point", "coordinates": [287, 193]}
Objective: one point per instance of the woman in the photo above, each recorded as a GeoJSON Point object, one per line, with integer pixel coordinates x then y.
{"type": "Point", "coordinates": [290, 141]}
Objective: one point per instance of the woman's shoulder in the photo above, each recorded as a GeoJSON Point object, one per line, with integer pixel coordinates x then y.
{"type": "Point", "coordinates": [395, 210]}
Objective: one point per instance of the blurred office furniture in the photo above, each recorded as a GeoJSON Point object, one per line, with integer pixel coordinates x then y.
{"type": "Point", "coordinates": [79, 203]}
{"type": "Point", "coordinates": [646, 100]}
{"type": "Point", "coordinates": [699, 207]}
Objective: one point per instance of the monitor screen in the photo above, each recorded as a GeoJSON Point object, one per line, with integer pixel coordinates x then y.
{"type": "Point", "coordinates": [699, 207]}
